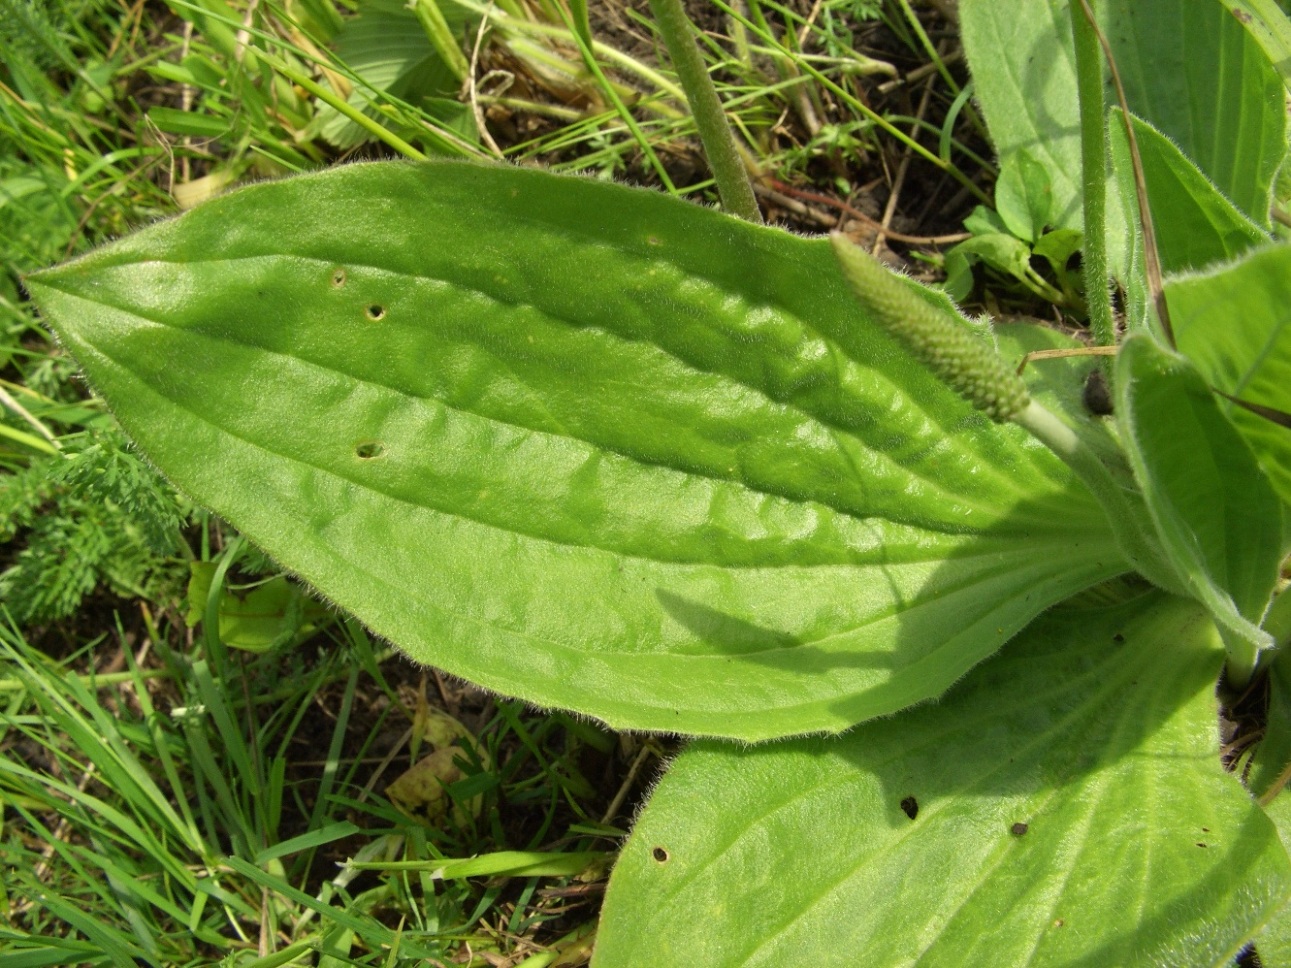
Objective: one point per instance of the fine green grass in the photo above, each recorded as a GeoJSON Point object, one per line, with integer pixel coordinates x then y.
{"type": "Point", "coordinates": [196, 757]}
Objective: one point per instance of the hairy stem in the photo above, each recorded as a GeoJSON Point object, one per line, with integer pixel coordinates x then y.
{"type": "Point", "coordinates": [733, 183]}
{"type": "Point", "coordinates": [1126, 516]}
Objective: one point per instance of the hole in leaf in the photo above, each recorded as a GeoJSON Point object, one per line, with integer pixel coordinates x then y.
{"type": "Point", "coordinates": [338, 277]}
{"type": "Point", "coordinates": [911, 807]}
{"type": "Point", "coordinates": [369, 449]}
{"type": "Point", "coordinates": [660, 855]}
{"type": "Point", "coordinates": [1018, 829]}
{"type": "Point", "coordinates": [375, 312]}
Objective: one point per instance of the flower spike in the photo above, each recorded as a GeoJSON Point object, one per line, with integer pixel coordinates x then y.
{"type": "Point", "coordinates": [945, 346]}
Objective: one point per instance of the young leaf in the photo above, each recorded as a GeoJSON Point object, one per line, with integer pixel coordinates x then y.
{"type": "Point", "coordinates": [1234, 324]}
{"type": "Point", "coordinates": [1065, 805]}
{"type": "Point", "coordinates": [582, 444]}
{"type": "Point", "coordinates": [1196, 226]}
{"type": "Point", "coordinates": [1217, 515]}
{"type": "Point", "coordinates": [1024, 195]}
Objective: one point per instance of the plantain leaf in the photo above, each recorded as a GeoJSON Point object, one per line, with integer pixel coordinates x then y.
{"type": "Point", "coordinates": [1194, 73]}
{"type": "Point", "coordinates": [1024, 76]}
{"type": "Point", "coordinates": [1063, 806]}
{"type": "Point", "coordinates": [1234, 324]}
{"type": "Point", "coordinates": [1217, 515]}
{"type": "Point", "coordinates": [579, 443]}
{"type": "Point", "coordinates": [1196, 226]}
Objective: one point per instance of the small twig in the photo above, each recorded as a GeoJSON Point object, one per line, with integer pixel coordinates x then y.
{"type": "Point", "coordinates": [795, 206]}
{"type": "Point", "coordinates": [781, 192]}
{"type": "Point", "coordinates": [242, 40]}
{"type": "Point", "coordinates": [622, 795]}
{"type": "Point", "coordinates": [810, 22]}
{"type": "Point", "coordinates": [476, 111]}
{"type": "Point", "coordinates": [919, 73]}
{"type": "Point", "coordinates": [185, 105]}
{"type": "Point", "coordinates": [1063, 354]}
{"type": "Point", "coordinates": [898, 183]}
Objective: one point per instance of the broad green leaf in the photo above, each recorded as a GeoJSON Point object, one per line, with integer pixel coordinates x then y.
{"type": "Point", "coordinates": [1195, 225]}
{"type": "Point", "coordinates": [1269, 25]}
{"type": "Point", "coordinates": [1217, 515]}
{"type": "Point", "coordinates": [1069, 808]}
{"type": "Point", "coordinates": [1272, 758]}
{"type": "Point", "coordinates": [1024, 75]}
{"type": "Point", "coordinates": [1234, 324]}
{"type": "Point", "coordinates": [582, 444]}
{"type": "Point", "coordinates": [1274, 943]}
{"type": "Point", "coordinates": [1194, 73]}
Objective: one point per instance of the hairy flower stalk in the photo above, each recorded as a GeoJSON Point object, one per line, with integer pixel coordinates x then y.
{"type": "Point", "coordinates": [971, 368]}
{"type": "Point", "coordinates": [950, 350]}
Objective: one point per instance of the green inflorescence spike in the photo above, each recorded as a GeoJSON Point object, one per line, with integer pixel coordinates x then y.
{"type": "Point", "coordinates": [945, 346]}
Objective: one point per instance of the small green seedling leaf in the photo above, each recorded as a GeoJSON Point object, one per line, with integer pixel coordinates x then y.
{"type": "Point", "coordinates": [1190, 69]}
{"type": "Point", "coordinates": [1057, 248]}
{"type": "Point", "coordinates": [1062, 806]}
{"type": "Point", "coordinates": [1004, 253]}
{"type": "Point", "coordinates": [590, 446]}
{"type": "Point", "coordinates": [1215, 512]}
{"type": "Point", "coordinates": [1024, 195]}
{"type": "Point", "coordinates": [254, 619]}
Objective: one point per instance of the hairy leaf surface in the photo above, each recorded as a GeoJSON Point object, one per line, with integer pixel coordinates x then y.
{"type": "Point", "coordinates": [582, 444]}
{"type": "Point", "coordinates": [1064, 805]}
{"type": "Point", "coordinates": [1217, 515]}
{"type": "Point", "coordinates": [1234, 324]}
{"type": "Point", "coordinates": [1196, 226]}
